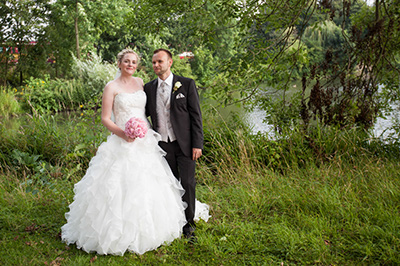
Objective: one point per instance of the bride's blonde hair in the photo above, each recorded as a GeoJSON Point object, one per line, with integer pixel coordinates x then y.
{"type": "Point", "coordinates": [127, 51]}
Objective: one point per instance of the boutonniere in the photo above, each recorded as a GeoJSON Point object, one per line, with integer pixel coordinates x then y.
{"type": "Point", "coordinates": [178, 84]}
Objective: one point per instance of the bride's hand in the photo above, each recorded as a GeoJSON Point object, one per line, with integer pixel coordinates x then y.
{"type": "Point", "coordinates": [128, 139]}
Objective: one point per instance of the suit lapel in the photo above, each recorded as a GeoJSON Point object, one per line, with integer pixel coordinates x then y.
{"type": "Point", "coordinates": [153, 99]}
{"type": "Point", "coordinates": [173, 96]}
{"type": "Point", "coordinates": [154, 91]}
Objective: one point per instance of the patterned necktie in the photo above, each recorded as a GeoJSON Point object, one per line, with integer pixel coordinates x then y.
{"type": "Point", "coordinates": [164, 93]}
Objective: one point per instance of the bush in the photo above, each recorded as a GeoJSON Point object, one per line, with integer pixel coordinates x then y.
{"type": "Point", "coordinates": [87, 83]}
{"type": "Point", "coordinates": [93, 73]}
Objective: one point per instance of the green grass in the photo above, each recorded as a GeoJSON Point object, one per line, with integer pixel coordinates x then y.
{"type": "Point", "coordinates": [337, 213]}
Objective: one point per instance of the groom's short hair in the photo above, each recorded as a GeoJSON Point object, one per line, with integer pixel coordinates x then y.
{"type": "Point", "coordinates": [163, 50]}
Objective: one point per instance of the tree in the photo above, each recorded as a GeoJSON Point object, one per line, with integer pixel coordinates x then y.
{"type": "Point", "coordinates": [84, 27]}
{"type": "Point", "coordinates": [196, 26]}
{"type": "Point", "coordinates": [359, 51]}
{"type": "Point", "coordinates": [370, 50]}
{"type": "Point", "coordinates": [23, 22]}
{"type": "Point", "coordinates": [90, 19]}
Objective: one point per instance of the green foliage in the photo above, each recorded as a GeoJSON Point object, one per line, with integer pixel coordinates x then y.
{"type": "Point", "coordinates": [94, 73]}
{"type": "Point", "coordinates": [182, 67]}
{"type": "Point", "coordinates": [9, 104]}
{"type": "Point", "coordinates": [231, 145]}
{"type": "Point", "coordinates": [53, 95]}
{"type": "Point", "coordinates": [93, 18]}
{"type": "Point", "coordinates": [22, 22]}
{"type": "Point", "coordinates": [69, 141]}
{"type": "Point", "coordinates": [36, 137]}
{"type": "Point", "coordinates": [48, 96]}
{"type": "Point", "coordinates": [204, 66]}
{"type": "Point", "coordinates": [38, 173]}
{"type": "Point", "coordinates": [41, 96]}
{"type": "Point", "coordinates": [326, 35]}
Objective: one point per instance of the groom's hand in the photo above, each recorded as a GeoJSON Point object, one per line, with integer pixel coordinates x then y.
{"type": "Point", "coordinates": [196, 153]}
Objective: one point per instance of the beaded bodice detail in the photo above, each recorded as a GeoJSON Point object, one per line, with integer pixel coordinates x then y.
{"type": "Point", "coordinates": [127, 105]}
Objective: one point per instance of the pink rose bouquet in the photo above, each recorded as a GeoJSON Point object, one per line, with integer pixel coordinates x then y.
{"type": "Point", "coordinates": [135, 128]}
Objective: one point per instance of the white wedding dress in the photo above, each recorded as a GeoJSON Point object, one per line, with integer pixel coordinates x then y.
{"type": "Point", "coordinates": [128, 199]}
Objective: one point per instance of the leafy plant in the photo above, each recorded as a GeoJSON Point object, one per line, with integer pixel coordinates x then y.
{"type": "Point", "coordinates": [38, 173]}
{"type": "Point", "coordinates": [41, 97]}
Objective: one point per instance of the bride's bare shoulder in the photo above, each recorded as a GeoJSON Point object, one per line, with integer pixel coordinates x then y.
{"type": "Point", "coordinates": [139, 81]}
{"type": "Point", "coordinates": [111, 87]}
{"type": "Point", "coordinates": [111, 83]}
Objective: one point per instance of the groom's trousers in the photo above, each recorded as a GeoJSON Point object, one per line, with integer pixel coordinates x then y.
{"type": "Point", "coordinates": [183, 169]}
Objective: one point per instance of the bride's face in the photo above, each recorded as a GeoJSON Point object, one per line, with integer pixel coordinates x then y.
{"type": "Point", "coordinates": [128, 64]}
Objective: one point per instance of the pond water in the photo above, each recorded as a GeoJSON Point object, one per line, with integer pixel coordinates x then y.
{"type": "Point", "coordinates": [383, 127]}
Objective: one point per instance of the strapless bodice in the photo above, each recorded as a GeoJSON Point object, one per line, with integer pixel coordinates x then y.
{"type": "Point", "coordinates": [127, 105]}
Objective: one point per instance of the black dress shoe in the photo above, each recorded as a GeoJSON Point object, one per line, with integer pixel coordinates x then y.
{"type": "Point", "coordinates": [191, 237]}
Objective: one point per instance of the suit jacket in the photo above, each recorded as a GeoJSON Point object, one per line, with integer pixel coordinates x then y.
{"type": "Point", "coordinates": [185, 113]}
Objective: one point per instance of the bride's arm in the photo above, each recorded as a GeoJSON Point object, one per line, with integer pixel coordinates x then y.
{"type": "Point", "coordinates": [106, 110]}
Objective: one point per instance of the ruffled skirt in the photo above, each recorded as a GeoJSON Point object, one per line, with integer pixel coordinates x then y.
{"type": "Point", "coordinates": [128, 200]}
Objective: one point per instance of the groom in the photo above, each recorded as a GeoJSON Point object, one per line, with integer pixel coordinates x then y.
{"type": "Point", "coordinates": [174, 108]}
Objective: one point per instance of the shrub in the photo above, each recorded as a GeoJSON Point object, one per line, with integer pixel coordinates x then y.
{"type": "Point", "coordinates": [88, 81]}
{"type": "Point", "coordinates": [93, 73]}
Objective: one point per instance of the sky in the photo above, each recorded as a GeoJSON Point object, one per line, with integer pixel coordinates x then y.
{"type": "Point", "coordinates": [370, 2]}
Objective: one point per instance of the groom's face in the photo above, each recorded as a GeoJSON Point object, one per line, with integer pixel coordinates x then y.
{"type": "Point", "coordinates": [161, 64]}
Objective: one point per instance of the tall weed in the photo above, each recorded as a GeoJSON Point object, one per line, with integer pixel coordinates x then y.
{"type": "Point", "coordinates": [9, 104]}
{"type": "Point", "coordinates": [231, 146]}
{"type": "Point", "coordinates": [68, 141]}
{"type": "Point", "coordinates": [49, 96]}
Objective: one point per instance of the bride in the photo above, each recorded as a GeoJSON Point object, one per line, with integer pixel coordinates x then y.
{"type": "Point", "coordinates": [128, 200]}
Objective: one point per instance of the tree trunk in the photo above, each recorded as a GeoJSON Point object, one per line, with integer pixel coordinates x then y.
{"type": "Point", "coordinates": [78, 54]}
{"type": "Point", "coordinates": [6, 72]}
{"type": "Point", "coordinates": [376, 10]}
{"type": "Point", "coordinates": [20, 63]}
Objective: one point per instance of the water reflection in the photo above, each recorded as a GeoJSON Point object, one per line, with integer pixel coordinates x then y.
{"type": "Point", "coordinates": [383, 127]}
{"type": "Point", "coordinates": [256, 121]}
